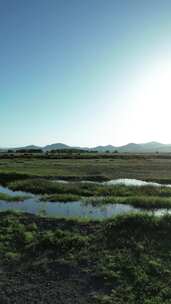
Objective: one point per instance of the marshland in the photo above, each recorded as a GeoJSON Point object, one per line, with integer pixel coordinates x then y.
{"type": "Point", "coordinates": [79, 231]}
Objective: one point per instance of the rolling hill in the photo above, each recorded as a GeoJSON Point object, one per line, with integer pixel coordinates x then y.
{"type": "Point", "coordinates": [150, 147]}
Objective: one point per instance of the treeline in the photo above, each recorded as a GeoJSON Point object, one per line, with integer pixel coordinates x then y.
{"type": "Point", "coordinates": [27, 151]}
{"type": "Point", "coordinates": [71, 151]}
{"type": "Point", "coordinates": [49, 156]}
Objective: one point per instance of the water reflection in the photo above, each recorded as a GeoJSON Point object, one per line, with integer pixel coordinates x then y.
{"type": "Point", "coordinates": [131, 182]}
{"type": "Point", "coordinates": [70, 209]}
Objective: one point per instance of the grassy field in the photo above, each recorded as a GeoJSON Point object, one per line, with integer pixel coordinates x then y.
{"type": "Point", "coordinates": [125, 259]}
{"type": "Point", "coordinates": [30, 174]}
{"type": "Point", "coordinates": [145, 167]}
{"type": "Point", "coordinates": [122, 260]}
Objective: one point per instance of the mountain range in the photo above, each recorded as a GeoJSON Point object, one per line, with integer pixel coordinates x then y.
{"type": "Point", "coordinates": [150, 147]}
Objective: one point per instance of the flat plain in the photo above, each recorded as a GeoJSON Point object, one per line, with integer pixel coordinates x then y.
{"type": "Point", "coordinates": [155, 167]}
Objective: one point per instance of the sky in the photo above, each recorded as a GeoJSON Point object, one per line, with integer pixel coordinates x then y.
{"type": "Point", "coordinates": [85, 73]}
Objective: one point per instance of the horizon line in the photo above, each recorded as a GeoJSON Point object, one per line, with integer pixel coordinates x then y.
{"type": "Point", "coordinates": [82, 146]}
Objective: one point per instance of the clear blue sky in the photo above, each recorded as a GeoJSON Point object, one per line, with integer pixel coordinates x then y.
{"type": "Point", "coordinates": [84, 72]}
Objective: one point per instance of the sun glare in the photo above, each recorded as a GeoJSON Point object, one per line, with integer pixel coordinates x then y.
{"type": "Point", "coordinates": [147, 100]}
{"type": "Point", "coordinates": [152, 93]}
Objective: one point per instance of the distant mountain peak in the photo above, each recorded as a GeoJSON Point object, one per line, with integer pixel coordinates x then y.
{"type": "Point", "coordinates": [56, 146]}
{"type": "Point", "coordinates": [153, 143]}
{"type": "Point", "coordinates": [148, 147]}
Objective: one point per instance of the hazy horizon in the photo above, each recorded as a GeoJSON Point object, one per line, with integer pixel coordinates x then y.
{"type": "Point", "coordinates": [88, 146]}
{"type": "Point", "coordinates": [85, 73]}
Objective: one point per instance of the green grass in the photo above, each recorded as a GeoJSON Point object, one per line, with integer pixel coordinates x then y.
{"type": "Point", "coordinates": [148, 197]}
{"type": "Point", "coordinates": [145, 167]}
{"type": "Point", "coordinates": [144, 202]}
{"type": "Point", "coordinates": [121, 260]}
{"type": "Point", "coordinates": [42, 186]}
{"type": "Point", "coordinates": [9, 198]}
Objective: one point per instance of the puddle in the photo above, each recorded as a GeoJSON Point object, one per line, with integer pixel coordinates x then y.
{"type": "Point", "coordinates": [58, 209]}
{"type": "Point", "coordinates": [70, 209]}
{"type": "Point", "coordinates": [131, 182]}
{"type": "Point", "coordinates": [10, 192]}
{"type": "Point", "coordinates": [119, 181]}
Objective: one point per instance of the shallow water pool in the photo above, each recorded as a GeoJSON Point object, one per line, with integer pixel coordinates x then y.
{"type": "Point", "coordinates": [76, 209]}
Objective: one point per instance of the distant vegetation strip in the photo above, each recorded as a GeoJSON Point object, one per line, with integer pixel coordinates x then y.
{"type": "Point", "coordinates": [143, 202]}
{"type": "Point", "coordinates": [10, 198]}
{"type": "Point", "coordinates": [43, 186]}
